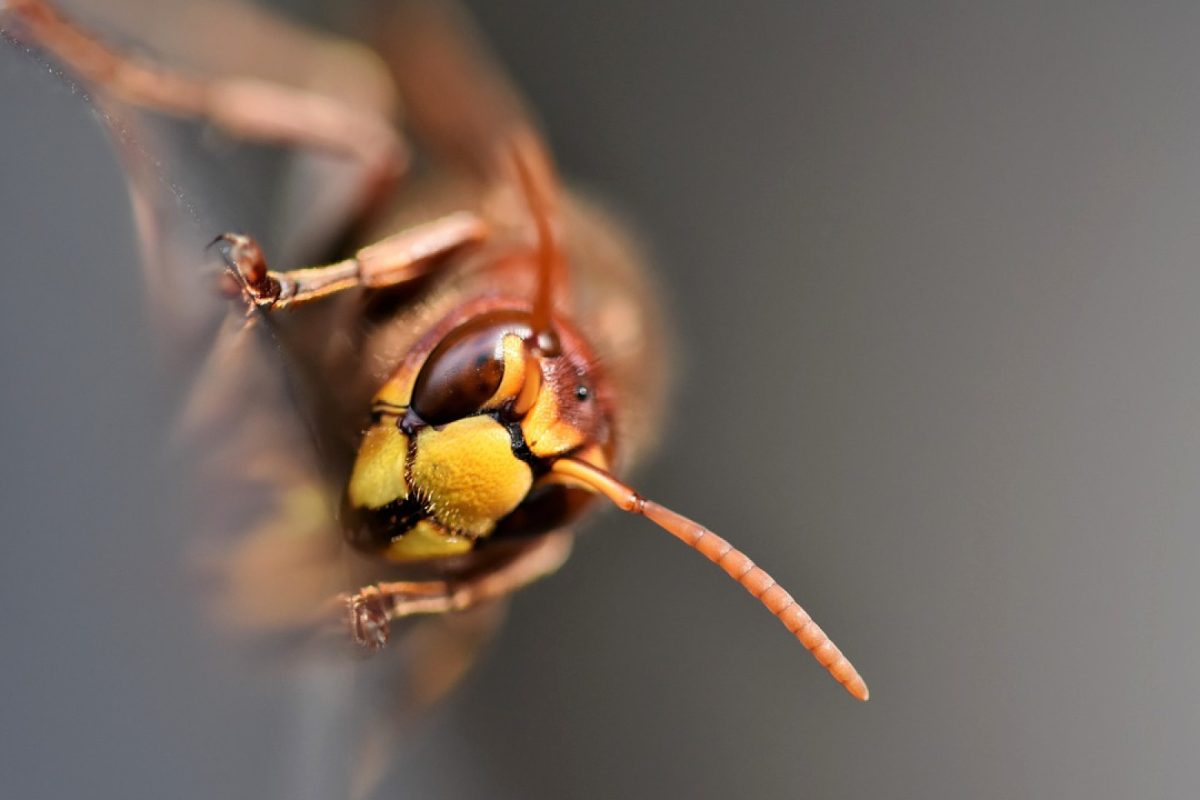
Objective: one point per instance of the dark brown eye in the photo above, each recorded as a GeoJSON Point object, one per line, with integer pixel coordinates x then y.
{"type": "Point", "coordinates": [465, 369]}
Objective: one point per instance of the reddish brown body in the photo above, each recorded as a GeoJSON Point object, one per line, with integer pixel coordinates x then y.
{"type": "Point", "coordinates": [570, 401]}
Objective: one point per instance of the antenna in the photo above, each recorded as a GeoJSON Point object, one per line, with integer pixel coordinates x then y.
{"type": "Point", "coordinates": [753, 579]}
{"type": "Point", "coordinates": [537, 184]}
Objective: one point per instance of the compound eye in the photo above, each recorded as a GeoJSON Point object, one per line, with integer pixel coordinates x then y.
{"type": "Point", "coordinates": [465, 369]}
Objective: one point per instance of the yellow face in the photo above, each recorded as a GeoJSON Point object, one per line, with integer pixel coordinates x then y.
{"type": "Point", "coordinates": [459, 449]}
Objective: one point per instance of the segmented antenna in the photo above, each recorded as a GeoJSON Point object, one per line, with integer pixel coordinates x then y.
{"type": "Point", "coordinates": [736, 564]}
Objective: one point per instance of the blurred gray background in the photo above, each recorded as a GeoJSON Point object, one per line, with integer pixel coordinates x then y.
{"type": "Point", "coordinates": [934, 270]}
